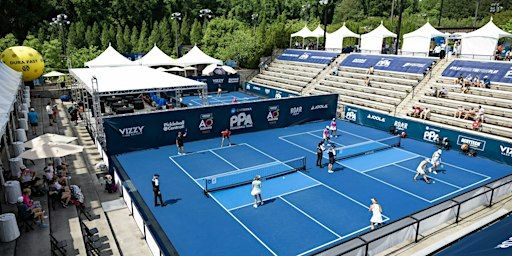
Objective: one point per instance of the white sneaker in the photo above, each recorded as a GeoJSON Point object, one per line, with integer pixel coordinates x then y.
{"type": "Point", "coordinates": [330, 171]}
{"type": "Point", "coordinates": [255, 205]}
{"type": "Point", "coordinates": [434, 172]}
{"type": "Point", "coordinates": [261, 203]}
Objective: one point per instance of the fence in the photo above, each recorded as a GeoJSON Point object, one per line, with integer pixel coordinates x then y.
{"type": "Point", "coordinates": [416, 226]}
{"type": "Point", "coordinates": [154, 235]}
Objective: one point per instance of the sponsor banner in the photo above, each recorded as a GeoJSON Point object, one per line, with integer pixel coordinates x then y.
{"type": "Point", "coordinates": [266, 91]}
{"type": "Point", "coordinates": [493, 149]}
{"type": "Point", "coordinates": [150, 130]}
{"type": "Point", "coordinates": [320, 57]}
{"type": "Point", "coordinates": [415, 65]}
{"type": "Point", "coordinates": [498, 72]}
{"type": "Point", "coordinates": [227, 82]}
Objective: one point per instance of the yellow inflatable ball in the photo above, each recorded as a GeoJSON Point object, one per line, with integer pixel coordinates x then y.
{"type": "Point", "coordinates": [24, 59]}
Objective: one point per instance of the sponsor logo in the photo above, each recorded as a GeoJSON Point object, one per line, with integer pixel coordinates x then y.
{"type": "Point", "coordinates": [267, 91]}
{"type": "Point", "coordinates": [416, 65]}
{"type": "Point", "coordinates": [233, 80]}
{"type": "Point", "coordinates": [173, 125]}
{"type": "Point", "coordinates": [240, 121]}
{"type": "Point", "coordinates": [218, 80]}
{"type": "Point", "coordinates": [273, 114]}
{"type": "Point", "coordinates": [316, 107]}
{"type": "Point", "coordinates": [360, 61]}
{"type": "Point", "coordinates": [401, 126]}
{"type": "Point", "coordinates": [304, 56]}
{"type": "Point", "coordinates": [238, 110]}
{"type": "Point", "coordinates": [508, 74]}
{"type": "Point", "coordinates": [431, 134]}
{"type": "Point", "coordinates": [351, 115]}
{"type": "Point", "coordinates": [506, 150]}
{"type": "Point", "coordinates": [472, 142]}
{"type": "Point", "coordinates": [505, 244]}
{"type": "Point", "coordinates": [474, 70]}
{"type": "Point", "coordinates": [376, 118]}
{"type": "Point", "coordinates": [295, 111]}
{"type": "Point", "coordinates": [206, 123]}
{"type": "Point", "coordinates": [278, 95]}
{"type": "Point", "coordinates": [248, 86]}
{"type": "Point", "coordinates": [383, 63]}
{"type": "Point", "coordinates": [256, 88]}
{"type": "Point", "coordinates": [131, 131]}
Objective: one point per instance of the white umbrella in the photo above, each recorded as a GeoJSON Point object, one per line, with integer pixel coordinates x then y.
{"type": "Point", "coordinates": [218, 69]}
{"type": "Point", "coordinates": [54, 74]}
{"type": "Point", "coordinates": [46, 138]}
{"type": "Point", "coordinates": [51, 150]}
{"type": "Point", "coordinates": [176, 69]}
{"type": "Point", "coordinates": [161, 69]}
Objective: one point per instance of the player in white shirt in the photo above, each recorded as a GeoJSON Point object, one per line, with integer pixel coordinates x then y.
{"type": "Point", "coordinates": [420, 170]}
{"type": "Point", "coordinates": [326, 135]}
{"type": "Point", "coordinates": [435, 161]}
{"type": "Point", "coordinates": [49, 111]}
{"type": "Point", "coordinates": [333, 128]}
{"type": "Point", "coordinates": [256, 191]}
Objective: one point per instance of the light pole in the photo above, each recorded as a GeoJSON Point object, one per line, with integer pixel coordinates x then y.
{"type": "Point", "coordinates": [205, 14]}
{"type": "Point", "coordinates": [399, 26]}
{"type": "Point", "coordinates": [177, 17]}
{"type": "Point", "coordinates": [440, 13]}
{"type": "Point", "coordinates": [60, 21]}
{"type": "Point", "coordinates": [324, 4]}
{"type": "Point", "coordinates": [254, 18]}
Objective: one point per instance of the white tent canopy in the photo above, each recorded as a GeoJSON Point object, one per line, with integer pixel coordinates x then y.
{"type": "Point", "coordinates": [372, 41]}
{"type": "Point", "coordinates": [176, 69]}
{"type": "Point", "coordinates": [318, 32]}
{"type": "Point", "coordinates": [130, 79]}
{"type": "Point", "coordinates": [156, 57]}
{"type": "Point", "coordinates": [334, 40]}
{"type": "Point", "coordinates": [304, 33]}
{"type": "Point", "coordinates": [11, 81]}
{"type": "Point", "coordinates": [482, 42]}
{"type": "Point", "coordinates": [418, 41]}
{"type": "Point", "coordinates": [109, 58]}
{"type": "Point", "coordinates": [211, 69]}
{"type": "Point", "coordinates": [54, 74]}
{"type": "Point", "coordinates": [196, 57]}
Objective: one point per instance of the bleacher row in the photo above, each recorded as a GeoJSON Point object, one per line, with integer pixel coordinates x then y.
{"type": "Point", "coordinates": [393, 79]}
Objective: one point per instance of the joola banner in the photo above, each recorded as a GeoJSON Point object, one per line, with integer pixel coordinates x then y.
{"type": "Point", "coordinates": [493, 149]}
{"type": "Point", "coordinates": [150, 130]}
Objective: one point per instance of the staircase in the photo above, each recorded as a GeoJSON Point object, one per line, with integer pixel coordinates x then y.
{"type": "Point", "coordinates": [327, 70]}
{"type": "Point", "coordinates": [420, 89]}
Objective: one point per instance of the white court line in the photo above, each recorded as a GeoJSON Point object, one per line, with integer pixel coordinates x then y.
{"type": "Point", "coordinates": [284, 194]}
{"type": "Point", "coordinates": [393, 186]}
{"type": "Point", "coordinates": [378, 167]}
{"type": "Point", "coordinates": [457, 191]}
{"type": "Point", "coordinates": [205, 150]}
{"type": "Point", "coordinates": [442, 181]}
{"type": "Point", "coordinates": [311, 218]}
{"type": "Point", "coordinates": [224, 159]}
{"type": "Point", "coordinates": [231, 214]}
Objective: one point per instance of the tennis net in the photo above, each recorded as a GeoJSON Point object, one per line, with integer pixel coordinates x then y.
{"type": "Point", "coordinates": [367, 147]}
{"type": "Point", "coordinates": [245, 176]}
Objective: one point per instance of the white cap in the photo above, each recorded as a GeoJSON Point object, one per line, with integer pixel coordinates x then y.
{"type": "Point", "coordinates": [20, 199]}
{"type": "Point", "coordinates": [327, 127]}
{"type": "Point", "coordinates": [334, 119]}
{"type": "Point", "coordinates": [440, 151]}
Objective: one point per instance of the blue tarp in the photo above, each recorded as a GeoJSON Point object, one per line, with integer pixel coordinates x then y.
{"type": "Point", "coordinates": [498, 72]}
{"type": "Point", "coordinates": [319, 57]}
{"type": "Point", "coordinates": [414, 65]}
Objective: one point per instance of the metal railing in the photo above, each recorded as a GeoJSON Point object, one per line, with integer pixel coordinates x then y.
{"type": "Point", "coordinates": [416, 226]}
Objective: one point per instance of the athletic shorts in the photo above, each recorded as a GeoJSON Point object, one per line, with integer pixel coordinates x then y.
{"type": "Point", "coordinates": [33, 124]}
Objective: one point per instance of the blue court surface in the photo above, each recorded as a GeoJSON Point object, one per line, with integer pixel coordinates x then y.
{"type": "Point", "coordinates": [304, 211]}
{"type": "Point", "coordinates": [224, 98]}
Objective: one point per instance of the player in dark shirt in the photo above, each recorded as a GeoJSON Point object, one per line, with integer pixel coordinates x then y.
{"type": "Point", "coordinates": [180, 142]}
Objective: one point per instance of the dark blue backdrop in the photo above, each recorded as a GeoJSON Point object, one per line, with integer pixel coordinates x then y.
{"type": "Point", "coordinates": [267, 91]}
{"type": "Point", "coordinates": [143, 131]}
{"type": "Point", "coordinates": [227, 82]}
{"type": "Point", "coordinates": [389, 63]}
{"type": "Point", "coordinates": [320, 57]}
{"type": "Point", "coordinates": [486, 147]}
{"type": "Point", "coordinates": [499, 72]}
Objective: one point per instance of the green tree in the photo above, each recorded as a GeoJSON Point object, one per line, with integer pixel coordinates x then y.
{"type": "Point", "coordinates": [154, 37]}
{"type": "Point", "coordinates": [88, 36]}
{"type": "Point", "coordinates": [166, 38]}
{"type": "Point", "coordinates": [134, 38]}
{"type": "Point", "coordinates": [142, 44]}
{"type": "Point", "coordinates": [112, 35]}
{"type": "Point", "coordinates": [95, 35]}
{"type": "Point", "coordinates": [196, 33]}
{"type": "Point", "coordinates": [7, 41]}
{"type": "Point", "coordinates": [82, 55]}
{"type": "Point", "coordinates": [52, 54]}
{"type": "Point", "coordinates": [185, 31]}
{"type": "Point", "coordinates": [42, 34]}
{"type": "Point", "coordinates": [126, 39]}
{"type": "Point", "coordinates": [104, 36]}
{"type": "Point", "coordinates": [33, 42]}
{"type": "Point", "coordinates": [120, 45]}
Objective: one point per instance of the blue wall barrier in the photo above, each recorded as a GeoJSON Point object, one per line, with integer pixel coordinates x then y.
{"type": "Point", "coordinates": [227, 82]}
{"type": "Point", "coordinates": [499, 72]}
{"type": "Point", "coordinates": [143, 131]}
{"type": "Point", "coordinates": [319, 57]}
{"type": "Point", "coordinates": [394, 63]}
{"type": "Point", "coordinates": [267, 91]}
{"type": "Point", "coordinates": [490, 148]}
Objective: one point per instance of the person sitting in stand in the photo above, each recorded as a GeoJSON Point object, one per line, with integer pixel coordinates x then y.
{"type": "Point", "coordinates": [25, 213]}
{"type": "Point", "coordinates": [28, 177]}
{"type": "Point", "coordinates": [476, 81]}
{"type": "Point", "coordinates": [434, 91]}
{"type": "Point", "coordinates": [367, 81]}
{"type": "Point", "coordinates": [63, 191]}
{"type": "Point", "coordinates": [477, 124]}
{"type": "Point", "coordinates": [334, 71]}
{"type": "Point", "coordinates": [417, 111]}
{"type": "Point", "coordinates": [370, 71]}
{"type": "Point", "coordinates": [425, 114]}
{"type": "Point", "coordinates": [459, 80]}
{"type": "Point", "coordinates": [459, 113]}
{"type": "Point", "coordinates": [470, 114]}
{"type": "Point", "coordinates": [464, 88]}
{"type": "Point", "coordinates": [442, 93]}
{"type": "Point", "coordinates": [487, 82]}
{"type": "Point", "coordinates": [480, 113]}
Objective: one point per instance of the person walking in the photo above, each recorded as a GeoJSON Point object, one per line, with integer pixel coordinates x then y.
{"type": "Point", "coordinates": [225, 136]}
{"type": "Point", "coordinates": [180, 142]}
{"type": "Point", "coordinates": [256, 191]}
{"type": "Point", "coordinates": [156, 190]}
{"type": "Point", "coordinates": [376, 210]}
{"type": "Point", "coordinates": [319, 153]}
{"type": "Point", "coordinates": [49, 112]}
{"type": "Point", "coordinates": [33, 119]}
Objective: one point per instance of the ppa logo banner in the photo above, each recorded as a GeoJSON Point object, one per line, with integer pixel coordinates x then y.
{"type": "Point", "coordinates": [131, 131]}
{"type": "Point", "coordinates": [351, 115]}
{"type": "Point", "coordinates": [240, 119]}
{"type": "Point", "coordinates": [472, 142]}
{"type": "Point", "coordinates": [431, 134]}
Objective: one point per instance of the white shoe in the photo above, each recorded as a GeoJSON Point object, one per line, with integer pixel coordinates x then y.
{"type": "Point", "coordinates": [255, 205]}
{"type": "Point", "coordinates": [435, 172]}
{"type": "Point", "coordinates": [330, 171]}
{"type": "Point", "coordinates": [261, 203]}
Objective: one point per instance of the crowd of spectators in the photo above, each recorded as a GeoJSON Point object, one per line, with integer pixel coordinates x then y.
{"type": "Point", "coordinates": [471, 113]}
{"type": "Point", "coordinates": [469, 81]}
